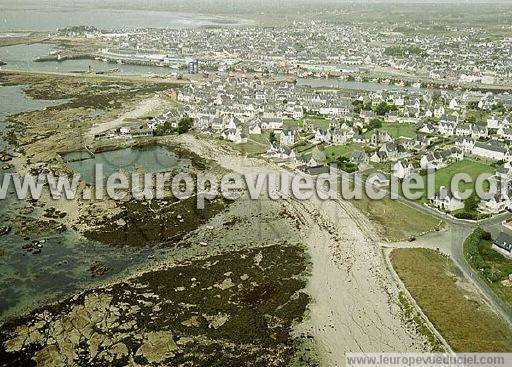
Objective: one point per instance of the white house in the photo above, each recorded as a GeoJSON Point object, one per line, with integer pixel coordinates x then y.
{"type": "Point", "coordinates": [271, 123]}
{"type": "Point", "coordinates": [493, 123]}
{"type": "Point", "coordinates": [505, 133]}
{"type": "Point", "coordinates": [322, 136]}
{"type": "Point", "coordinates": [466, 144]}
{"type": "Point", "coordinates": [287, 138]}
{"type": "Point", "coordinates": [401, 169]}
{"type": "Point", "coordinates": [298, 112]}
{"type": "Point", "coordinates": [491, 150]}
{"type": "Point", "coordinates": [503, 244]}
{"type": "Point", "coordinates": [447, 128]}
{"type": "Point", "coordinates": [255, 129]}
{"type": "Point", "coordinates": [479, 131]}
{"type": "Point", "coordinates": [444, 200]}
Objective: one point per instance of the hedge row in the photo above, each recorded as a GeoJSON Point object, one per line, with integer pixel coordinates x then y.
{"type": "Point", "coordinates": [472, 251]}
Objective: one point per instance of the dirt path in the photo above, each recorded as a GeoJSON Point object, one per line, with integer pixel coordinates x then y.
{"type": "Point", "coordinates": [142, 109]}
{"type": "Point", "coordinates": [352, 290]}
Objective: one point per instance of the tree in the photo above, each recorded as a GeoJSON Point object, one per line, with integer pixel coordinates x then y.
{"type": "Point", "coordinates": [358, 106]}
{"type": "Point", "coordinates": [471, 119]}
{"type": "Point", "coordinates": [185, 125]}
{"type": "Point", "coordinates": [382, 108]}
{"type": "Point", "coordinates": [375, 124]}
{"type": "Point", "coordinates": [436, 96]}
{"type": "Point", "coordinates": [471, 203]}
{"type": "Point", "coordinates": [164, 129]}
{"type": "Point", "coordinates": [272, 137]}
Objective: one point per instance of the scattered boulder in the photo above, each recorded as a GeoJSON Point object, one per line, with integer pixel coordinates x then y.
{"type": "Point", "coordinates": [5, 230]}
{"type": "Point", "coordinates": [158, 346]}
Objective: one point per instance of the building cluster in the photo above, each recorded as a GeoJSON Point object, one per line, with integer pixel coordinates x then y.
{"type": "Point", "coordinates": [303, 127]}
{"type": "Point", "coordinates": [319, 48]}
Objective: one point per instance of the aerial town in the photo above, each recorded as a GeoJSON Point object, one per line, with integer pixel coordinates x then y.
{"type": "Point", "coordinates": [273, 93]}
{"type": "Point", "coordinates": [390, 90]}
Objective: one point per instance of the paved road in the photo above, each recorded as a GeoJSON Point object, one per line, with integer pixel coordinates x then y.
{"type": "Point", "coordinates": [451, 242]}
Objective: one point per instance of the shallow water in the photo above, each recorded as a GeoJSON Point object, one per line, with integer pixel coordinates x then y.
{"type": "Point", "coordinates": [21, 57]}
{"type": "Point", "coordinates": [150, 159]}
{"type": "Point", "coordinates": [26, 280]}
{"type": "Point", "coordinates": [44, 19]}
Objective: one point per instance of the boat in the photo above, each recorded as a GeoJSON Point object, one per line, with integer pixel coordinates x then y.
{"type": "Point", "coordinates": [2, 63]}
{"type": "Point", "coordinates": [5, 230]}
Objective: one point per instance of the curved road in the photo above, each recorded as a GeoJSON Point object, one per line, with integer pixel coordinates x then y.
{"type": "Point", "coordinates": [451, 241]}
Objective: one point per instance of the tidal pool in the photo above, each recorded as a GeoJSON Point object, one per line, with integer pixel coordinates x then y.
{"type": "Point", "coordinates": [151, 159]}
{"type": "Point", "coordinates": [28, 279]}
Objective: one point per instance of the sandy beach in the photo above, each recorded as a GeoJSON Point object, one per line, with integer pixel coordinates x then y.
{"type": "Point", "coordinates": [354, 305]}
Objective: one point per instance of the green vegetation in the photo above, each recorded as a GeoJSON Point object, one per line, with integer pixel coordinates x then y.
{"type": "Point", "coordinates": [476, 116]}
{"type": "Point", "coordinates": [375, 124]}
{"type": "Point", "coordinates": [382, 108]}
{"type": "Point", "coordinates": [233, 309]}
{"type": "Point", "coordinates": [334, 152]}
{"type": "Point", "coordinates": [184, 125]}
{"type": "Point", "coordinates": [318, 122]}
{"type": "Point", "coordinates": [263, 138]}
{"type": "Point", "coordinates": [344, 164]}
{"type": "Point", "coordinates": [492, 266]}
{"type": "Point", "coordinates": [470, 209]}
{"type": "Point", "coordinates": [468, 166]}
{"type": "Point", "coordinates": [293, 123]}
{"type": "Point", "coordinates": [250, 148]}
{"type": "Point", "coordinates": [272, 138]}
{"type": "Point", "coordinates": [399, 130]}
{"type": "Point", "coordinates": [465, 321]}
{"type": "Point", "coordinates": [413, 318]}
{"type": "Point", "coordinates": [397, 220]}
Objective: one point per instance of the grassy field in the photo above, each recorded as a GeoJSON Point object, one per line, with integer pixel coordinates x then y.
{"type": "Point", "coordinates": [334, 151]}
{"type": "Point", "coordinates": [318, 122]}
{"type": "Point", "coordinates": [472, 168]}
{"type": "Point", "coordinates": [262, 138]}
{"type": "Point", "coordinates": [492, 266]}
{"type": "Point", "coordinates": [464, 320]}
{"type": "Point", "coordinates": [397, 220]}
{"type": "Point", "coordinates": [399, 130]}
{"type": "Point", "coordinates": [293, 123]}
{"type": "Point", "coordinates": [250, 148]}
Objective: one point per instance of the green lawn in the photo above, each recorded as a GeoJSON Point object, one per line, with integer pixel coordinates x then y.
{"type": "Point", "coordinates": [332, 152]}
{"type": "Point", "coordinates": [477, 115]}
{"type": "Point", "coordinates": [318, 122]}
{"type": "Point", "coordinates": [472, 168]}
{"type": "Point", "coordinates": [399, 130]}
{"type": "Point", "coordinates": [250, 148]}
{"type": "Point", "coordinates": [443, 177]}
{"type": "Point", "coordinates": [397, 220]}
{"type": "Point", "coordinates": [293, 123]}
{"type": "Point", "coordinates": [261, 138]}
{"type": "Point", "coordinates": [461, 316]}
